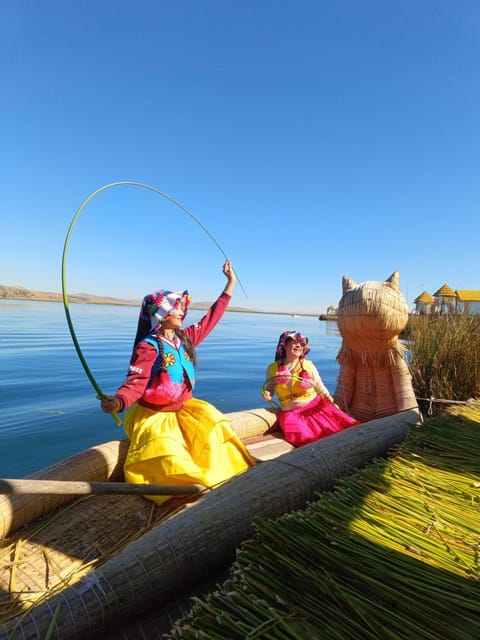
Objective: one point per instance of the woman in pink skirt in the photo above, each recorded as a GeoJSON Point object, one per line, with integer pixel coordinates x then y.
{"type": "Point", "coordinates": [307, 411]}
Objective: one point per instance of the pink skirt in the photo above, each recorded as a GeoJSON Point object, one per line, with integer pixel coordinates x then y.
{"type": "Point", "coordinates": [317, 419]}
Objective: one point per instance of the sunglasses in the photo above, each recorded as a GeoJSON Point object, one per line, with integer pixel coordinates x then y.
{"type": "Point", "coordinates": [302, 343]}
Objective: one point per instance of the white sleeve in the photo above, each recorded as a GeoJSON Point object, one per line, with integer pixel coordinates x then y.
{"type": "Point", "coordinates": [319, 382]}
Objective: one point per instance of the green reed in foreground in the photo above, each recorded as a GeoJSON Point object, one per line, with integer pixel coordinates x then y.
{"type": "Point", "coordinates": [391, 554]}
{"type": "Point", "coordinates": [445, 358]}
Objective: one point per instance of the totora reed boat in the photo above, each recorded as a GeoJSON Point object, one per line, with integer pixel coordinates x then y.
{"type": "Point", "coordinates": [95, 565]}
{"type": "Point", "coordinates": [120, 567]}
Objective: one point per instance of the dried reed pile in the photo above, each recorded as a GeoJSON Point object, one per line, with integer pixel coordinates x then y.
{"type": "Point", "coordinates": [392, 553]}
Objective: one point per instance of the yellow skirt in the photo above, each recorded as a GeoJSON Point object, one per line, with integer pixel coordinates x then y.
{"type": "Point", "coordinates": [194, 445]}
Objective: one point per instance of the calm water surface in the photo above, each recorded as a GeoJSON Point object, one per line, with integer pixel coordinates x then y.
{"type": "Point", "coordinates": [48, 409]}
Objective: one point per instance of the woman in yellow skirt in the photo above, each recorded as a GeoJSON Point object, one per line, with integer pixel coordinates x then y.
{"type": "Point", "coordinates": [175, 439]}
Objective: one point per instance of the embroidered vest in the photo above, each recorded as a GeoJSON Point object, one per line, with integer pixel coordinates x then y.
{"type": "Point", "coordinates": [176, 362]}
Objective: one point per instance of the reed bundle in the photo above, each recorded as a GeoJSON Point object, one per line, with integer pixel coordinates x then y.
{"type": "Point", "coordinates": [392, 553]}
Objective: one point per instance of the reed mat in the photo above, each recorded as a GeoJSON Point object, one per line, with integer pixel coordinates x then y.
{"type": "Point", "coordinates": [392, 553]}
{"type": "Point", "coordinates": [56, 551]}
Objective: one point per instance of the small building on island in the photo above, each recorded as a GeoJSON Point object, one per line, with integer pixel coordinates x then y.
{"type": "Point", "coordinates": [446, 302]}
{"type": "Point", "coordinates": [424, 304]}
{"type": "Point", "coordinates": [468, 302]}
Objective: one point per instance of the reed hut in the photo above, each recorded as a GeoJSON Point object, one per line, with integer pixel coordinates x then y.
{"type": "Point", "coordinates": [424, 304]}
{"type": "Point", "coordinates": [445, 300]}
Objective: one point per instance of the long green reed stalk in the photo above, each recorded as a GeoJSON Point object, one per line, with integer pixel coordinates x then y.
{"type": "Point", "coordinates": [391, 554]}
{"type": "Point", "coordinates": [445, 358]}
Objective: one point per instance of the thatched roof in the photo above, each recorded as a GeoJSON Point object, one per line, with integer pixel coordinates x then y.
{"type": "Point", "coordinates": [468, 294]}
{"type": "Point", "coordinates": [424, 298]}
{"type": "Point", "coordinates": [445, 291]}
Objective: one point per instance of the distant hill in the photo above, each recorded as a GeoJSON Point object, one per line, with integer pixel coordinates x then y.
{"type": "Point", "coordinates": [22, 293]}
{"type": "Point", "coordinates": [17, 292]}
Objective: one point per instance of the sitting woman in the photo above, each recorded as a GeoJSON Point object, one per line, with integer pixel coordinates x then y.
{"type": "Point", "coordinates": [307, 411]}
{"type": "Point", "coordinates": [175, 439]}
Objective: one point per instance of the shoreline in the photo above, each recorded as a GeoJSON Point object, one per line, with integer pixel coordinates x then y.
{"type": "Point", "coordinates": [29, 295]}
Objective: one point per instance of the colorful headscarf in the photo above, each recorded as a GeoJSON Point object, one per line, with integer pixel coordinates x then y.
{"type": "Point", "coordinates": [280, 350]}
{"type": "Point", "coordinates": [160, 304]}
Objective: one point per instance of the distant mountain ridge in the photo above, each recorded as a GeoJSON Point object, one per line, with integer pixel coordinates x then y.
{"type": "Point", "coordinates": [17, 292]}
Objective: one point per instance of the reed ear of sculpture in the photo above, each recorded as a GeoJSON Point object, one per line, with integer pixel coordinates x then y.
{"type": "Point", "coordinates": [348, 284]}
{"type": "Point", "coordinates": [394, 280]}
{"type": "Point", "coordinates": [374, 380]}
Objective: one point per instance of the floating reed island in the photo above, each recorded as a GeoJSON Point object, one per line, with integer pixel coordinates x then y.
{"type": "Point", "coordinates": [392, 552]}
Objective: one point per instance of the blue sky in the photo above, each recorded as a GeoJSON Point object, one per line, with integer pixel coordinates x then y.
{"type": "Point", "coordinates": [313, 139]}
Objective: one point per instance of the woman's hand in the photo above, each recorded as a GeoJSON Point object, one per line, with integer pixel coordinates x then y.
{"type": "Point", "coordinates": [111, 404]}
{"type": "Point", "coordinates": [229, 273]}
{"type": "Point", "coordinates": [267, 395]}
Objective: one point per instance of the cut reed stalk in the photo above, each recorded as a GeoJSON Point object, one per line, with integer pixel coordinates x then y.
{"type": "Point", "coordinates": [393, 552]}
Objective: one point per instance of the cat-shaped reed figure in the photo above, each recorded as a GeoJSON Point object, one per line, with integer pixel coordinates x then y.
{"type": "Point", "coordinates": [374, 380]}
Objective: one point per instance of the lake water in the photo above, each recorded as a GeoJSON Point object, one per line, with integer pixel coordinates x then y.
{"type": "Point", "coordinates": [48, 408]}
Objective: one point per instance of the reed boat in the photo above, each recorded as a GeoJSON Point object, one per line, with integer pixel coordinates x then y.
{"type": "Point", "coordinates": [99, 564]}
{"type": "Point", "coordinates": [117, 566]}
